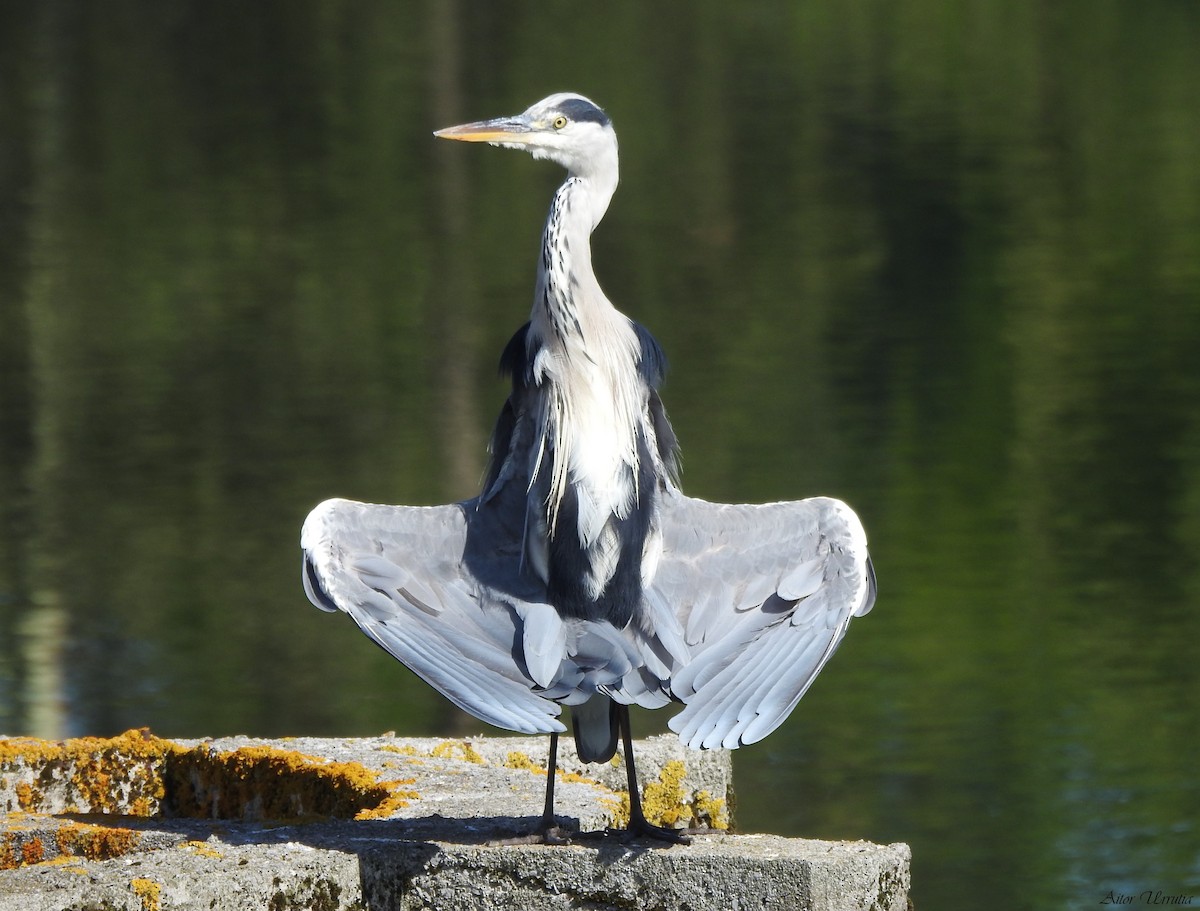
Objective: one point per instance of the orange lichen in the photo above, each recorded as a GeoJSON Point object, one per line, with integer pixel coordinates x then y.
{"type": "Point", "coordinates": [447, 748]}
{"type": "Point", "coordinates": [267, 783]}
{"type": "Point", "coordinates": [139, 774]}
{"type": "Point", "coordinates": [618, 809]}
{"type": "Point", "coordinates": [576, 777]}
{"type": "Point", "coordinates": [148, 892]}
{"type": "Point", "coordinates": [709, 811]}
{"type": "Point", "coordinates": [406, 750]}
{"type": "Point", "coordinates": [21, 850]}
{"type": "Point", "coordinates": [518, 760]}
{"type": "Point", "coordinates": [68, 863]}
{"type": "Point", "coordinates": [20, 821]}
{"type": "Point", "coordinates": [398, 797]}
{"type": "Point", "coordinates": [87, 774]}
{"type": "Point", "coordinates": [63, 843]}
{"type": "Point", "coordinates": [33, 851]}
{"type": "Point", "coordinates": [665, 802]}
{"type": "Point", "coordinates": [95, 842]}
{"type": "Point", "coordinates": [203, 849]}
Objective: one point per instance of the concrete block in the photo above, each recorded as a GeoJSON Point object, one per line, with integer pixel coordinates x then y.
{"type": "Point", "coordinates": [145, 824]}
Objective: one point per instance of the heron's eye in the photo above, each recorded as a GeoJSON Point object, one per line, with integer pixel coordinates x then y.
{"type": "Point", "coordinates": [559, 122]}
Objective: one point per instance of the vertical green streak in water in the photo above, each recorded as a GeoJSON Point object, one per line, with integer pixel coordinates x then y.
{"type": "Point", "coordinates": [15, 433]}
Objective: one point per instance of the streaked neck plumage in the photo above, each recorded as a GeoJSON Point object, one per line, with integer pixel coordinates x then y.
{"type": "Point", "coordinates": [568, 296]}
{"type": "Point", "coordinates": [586, 364]}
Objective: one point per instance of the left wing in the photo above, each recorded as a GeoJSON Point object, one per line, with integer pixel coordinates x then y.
{"type": "Point", "coordinates": [764, 594]}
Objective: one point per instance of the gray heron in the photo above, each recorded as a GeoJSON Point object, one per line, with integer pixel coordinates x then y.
{"type": "Point", "coordinates": [581, 575]}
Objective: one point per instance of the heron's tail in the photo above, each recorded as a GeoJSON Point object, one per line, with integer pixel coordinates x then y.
{"type": "Point", "coordinates": [595, 724]}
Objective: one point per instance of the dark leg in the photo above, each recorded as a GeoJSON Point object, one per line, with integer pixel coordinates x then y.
{"type": "Point", "coordinates": [551, 833]}
{"type": "Point", "coordinates": [637, 819]}
{"type": "Point", "coordinates": [551, 769]}
{"type": "Point", "coordinates": [548, 833]}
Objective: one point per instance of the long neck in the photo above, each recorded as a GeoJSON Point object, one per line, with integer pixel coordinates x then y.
{"type": "Point", "coordinates": [568, 297]}
{"type": "Point", "coordinates": [586, 366]}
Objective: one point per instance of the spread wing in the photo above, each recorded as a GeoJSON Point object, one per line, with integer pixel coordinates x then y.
{"type": "Point", "coordinates": [400, 572]}
{"type": "Point", "coordinates": [764, 595]}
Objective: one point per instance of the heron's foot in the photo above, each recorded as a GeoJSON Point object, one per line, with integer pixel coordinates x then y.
{"type": "Point", "coordinates": [703, 830]}
{"type": "Point", "coordinates": [547, 835]}
{"type": "Point", "coordinates": [556, 835]}
{"type": "Point", "coordinates": [640, 828]}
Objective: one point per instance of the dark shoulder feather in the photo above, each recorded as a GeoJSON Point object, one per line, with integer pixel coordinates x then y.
{"type": "Point", "coordinates": [499, 445]}
{"type": "Point", "coordinates": [653, 362]}
{"type": "Point", "coordinates": [653, 366]}
{"type": "Point", "coordinates": [664, 434]}
{"type": "Point", "coordinates": [515, 360]}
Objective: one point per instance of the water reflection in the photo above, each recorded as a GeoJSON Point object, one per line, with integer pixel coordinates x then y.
{"type": "Point", "coordinates": [945, 266]}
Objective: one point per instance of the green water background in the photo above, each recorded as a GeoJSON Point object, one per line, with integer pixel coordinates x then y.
{"type": "Point", "coordinates": [939, 259]}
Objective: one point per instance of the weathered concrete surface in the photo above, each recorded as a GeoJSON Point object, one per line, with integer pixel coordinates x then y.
{"type": "Point", "coordinates": [380, 870]}
{"type": "Point", "coordinates": [239, 778]}
{"type": "Point", "coordinates": [429, 850]}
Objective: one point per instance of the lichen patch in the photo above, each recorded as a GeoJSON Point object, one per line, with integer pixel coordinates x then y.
{"type": "Point", "coordinates": [149, 893]}
{"type": "Point", "coordinates": [668, 802]}
{"type": "Point", "coordinates": [139, 775]}
{"type": "Point", "coordinates": [463, 748]}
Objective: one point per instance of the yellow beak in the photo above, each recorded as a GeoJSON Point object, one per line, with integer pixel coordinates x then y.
{"type": "Point", "coordinates": [501, 129]}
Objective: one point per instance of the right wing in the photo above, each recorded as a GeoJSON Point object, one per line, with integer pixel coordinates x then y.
{"type": "Point", "coordinates": [402, 574]}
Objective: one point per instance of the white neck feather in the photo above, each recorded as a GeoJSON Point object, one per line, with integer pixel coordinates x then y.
{"type": "Point", "coordinates": [587, 367]}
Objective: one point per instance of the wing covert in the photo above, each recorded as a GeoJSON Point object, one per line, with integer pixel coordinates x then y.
{"type": "Point", "coordinates": [399, 572]}
{"type": "Point", "coordinates": [764, 594]}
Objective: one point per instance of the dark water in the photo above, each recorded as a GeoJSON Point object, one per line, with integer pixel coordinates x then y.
{"type": "Point", "coordinates": [941, 260]}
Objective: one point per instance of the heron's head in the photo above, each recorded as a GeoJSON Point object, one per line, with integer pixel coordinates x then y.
{"type": "Point", "coordinates": [565, 128]}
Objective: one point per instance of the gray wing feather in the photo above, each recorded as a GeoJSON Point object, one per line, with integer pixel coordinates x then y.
{"type": "Point", "coordinates": [398, 571]}
{"type": "Point", "coordinates": [746, 606]}
{"type": "Point", "coordinates": [764, 595]}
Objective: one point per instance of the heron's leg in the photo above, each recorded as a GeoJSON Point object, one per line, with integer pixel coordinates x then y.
{"type": "Point", "coordinates": [637, 819]}
{"type": "Point", "coordinates": [551, 768]}
{"type": "Point", "coordinates": [551, 833]}
{"type": "Point", "coordinates": [548, 832]}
